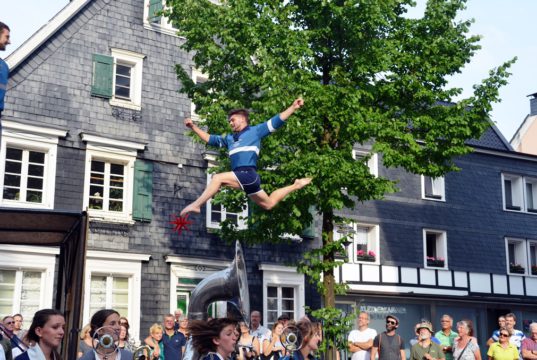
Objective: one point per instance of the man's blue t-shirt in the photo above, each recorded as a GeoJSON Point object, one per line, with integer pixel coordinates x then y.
{"type": "Point", "coordinates": [173, 345]}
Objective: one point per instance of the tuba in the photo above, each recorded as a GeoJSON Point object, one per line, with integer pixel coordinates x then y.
{"type": "Point", "coordinates": [291, 339]}
{"type": "Point", "coordinates": [142, 353]}
{"type": "Point", "coordinates": [229, 285]}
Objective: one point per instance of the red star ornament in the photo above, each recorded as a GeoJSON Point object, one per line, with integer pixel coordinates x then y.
{"type": "Point", "coordinates": [181, 222]}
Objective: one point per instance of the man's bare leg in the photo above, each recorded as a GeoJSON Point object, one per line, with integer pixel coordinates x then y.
{"type": "Point", "coordinates": [267, 202]}
{"type": "Point", "coordinates": [218, 180]}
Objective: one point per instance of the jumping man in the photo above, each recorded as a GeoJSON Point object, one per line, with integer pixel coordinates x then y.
{"type": "Point", "coordinates": [243, 147]}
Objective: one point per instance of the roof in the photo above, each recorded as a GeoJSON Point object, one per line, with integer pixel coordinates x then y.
{"type": "Point", "coordinates": [492, 139]}
{"type": "Point", "coordinates": [45, 32]}
{"type": "Point", "coordinates": [37, 227]}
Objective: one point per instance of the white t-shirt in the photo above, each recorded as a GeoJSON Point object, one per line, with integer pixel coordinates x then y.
{"type": "Point", "coordinates": [2, 353]}
{"type": "Point", "coordinates": [362, 336]}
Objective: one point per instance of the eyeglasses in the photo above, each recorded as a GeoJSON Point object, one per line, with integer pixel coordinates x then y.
{"type": "Point", "coordinates": [504, 335]}
{"type": "Point", "coordinates": [390, 322]}
{"type": "Point", "coordinates": [10, 322]}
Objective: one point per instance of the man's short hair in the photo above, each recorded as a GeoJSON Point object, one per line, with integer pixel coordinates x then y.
{"type": "Point", "coordinates": [510, 315]}
{"type": "Point", "coordinates": [447, 316]}
{"type": "Point", "coordinates": [242, 112]}
{"type": "Point", "coordinates": [533, 325]}
{"type": "Point", "coordinates": [283, 317]}
{"type": "Point", "coordinates": [3, 26]}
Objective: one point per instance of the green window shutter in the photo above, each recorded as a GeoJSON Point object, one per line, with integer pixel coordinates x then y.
{"type": "Point", "coordinates": [154, 7]}
{"type": "Point", "coordinates": [103, 70]}
{"type": "Point", "coordinates": [143, 191]}
{"type": "Point", "coordinates": [309, 231]}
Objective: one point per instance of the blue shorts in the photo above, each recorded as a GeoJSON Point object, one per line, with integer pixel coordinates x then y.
{"type": "Point", "coordinates": [248, 179]}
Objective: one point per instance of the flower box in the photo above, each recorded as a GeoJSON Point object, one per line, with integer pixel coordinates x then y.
{"type": "Point", "coordinates": [361, 255]}
{"type": "Point", "coordinates": [436, 263]}
{"type": "Point", "coordinates": [516, 269]}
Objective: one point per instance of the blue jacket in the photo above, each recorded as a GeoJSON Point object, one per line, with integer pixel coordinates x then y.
{"type": "Point", "coordinates": [244, 147]}
{"type": "Point", "coordinates": [4, 74]}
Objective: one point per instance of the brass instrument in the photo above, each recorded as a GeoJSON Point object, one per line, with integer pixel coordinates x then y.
{"type": "Point", "coordinates": [291, 339]}
{"type": "Point", "coordinates": [230, 284]}
{"type": "Point", "coordinates": [105, 340]}
{"type": "Point", "coordinates": [142, 353]}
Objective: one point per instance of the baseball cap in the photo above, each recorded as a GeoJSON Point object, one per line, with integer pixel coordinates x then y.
{"type": "Point", "coordinates": [393, 317]}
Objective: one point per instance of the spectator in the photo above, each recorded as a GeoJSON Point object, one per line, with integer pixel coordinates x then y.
{"type": "Point", "coordinates": [425, 348]}
{"type": "Point", "coordinates": [46, 334]}
{"type": "Point", "coordinates": [503, 349]}
{"type": "Point", "coordinates": [173, 341]}
{"type": "Point", "coordinates": [156, 332]}
{"type": "Point", "coordinates": [361, 340]}
{"type": "Point", "coordinates": [311, 337]}
{"type": "Point", "coordinates": [18, 330]}
{"type": "Point", "coordinates": [85, 343]}
{"type": "Point", "coordinates": [446, 336]}
{"type": "Point", "coordinates": [178, 314]}
{"type": "Point", "coordinates": [124, 340]}
{"type": "Point", "coordinates": [5, 347]}
{"type": "Point", "coordinates": [183, 326]}
{"type": "Point", "coordinates": [272, 347]}
{"type": "Point", "coordinates": [17, 345]}
{"type": "Point", "coordinates": [108, 319]}
{"type": "Point", "coordinates": [248, 344]}
{"type": "Point", "coordinates": [529, 344]}
{"type": "Point", "coordinates": [284, 319]}
{"type": "Point", "coordinates": [256, 329]}
{"type": "Point", "coordinates": [389, 345]}
{"type": "Point", "coordinates": [465, 346]}
{"type": "Point", "coordinates": [496, 333]}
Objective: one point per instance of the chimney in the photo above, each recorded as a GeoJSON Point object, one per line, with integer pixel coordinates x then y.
{"type": "Point", "coordinates": [533, 104]}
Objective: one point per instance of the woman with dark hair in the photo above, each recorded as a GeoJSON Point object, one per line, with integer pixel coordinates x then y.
{"type": "Point", "coordinates": [45, 335]}
{"type": "Point", "coordinates": [248, 343]}
{"type": "Point", "coordinates": [109, 319]}
{"type": "Point", "coordinates": [465, 346]}
{"type": "Point", "coordinates": [214, 339]}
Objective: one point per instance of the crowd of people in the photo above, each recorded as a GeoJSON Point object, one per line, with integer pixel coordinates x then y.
{"type": "Point", "coordinates": [506, 343]}
{"type": "Point", "coordinates": [107, 337]}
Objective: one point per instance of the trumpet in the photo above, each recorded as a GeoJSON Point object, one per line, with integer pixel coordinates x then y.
{"type": "Point", "coordinates": [105, 340]}
{"type": "Point", "coordinates": [291, 339]}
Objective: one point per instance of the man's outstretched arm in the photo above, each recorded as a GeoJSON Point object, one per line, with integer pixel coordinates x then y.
{"type": "Point", "coordinates": [203, 135]}
{"type": "Point", "coordinates": [297, 104]}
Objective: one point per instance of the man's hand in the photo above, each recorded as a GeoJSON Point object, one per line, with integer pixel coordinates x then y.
{"type": "Point", "coordinates": [189, 123]}
{"type": "Point", "coordinates": [298, 103]}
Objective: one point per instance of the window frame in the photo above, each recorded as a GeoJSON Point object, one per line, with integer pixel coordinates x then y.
{"type": "Point", "coordinates": [531, 262]}
{"type": "Point", "coordinates": [196, 74]}
{"type": "Point", "coordinates": [242, 217]}
{"type": "Point", "coordinates": [32, 138]}
{"type": "Point", "coordinates": [438, 183]}
{"type": "Point", "coordinates": [373, 235]}
{"type": "Point", "coordinates": [117, 151]}
{"type": "Point", "coordinates": [372, 162]}
{"type": "Point", "coordinates": [520, 256]}
{"type": "Point", "coordinates": [107, 263]}
{"type": "Point", "coordinates": [30, 258]}
{"type": "Point", "coordinates": [516, 194]}
{"type": "Point", "coordinates": [441, 244]}
{"type": "Point", "coordinates": [283, 276]}
{"type": "Point", "coordinates": [135, 60]}
{"type": "Point", "coordinates": [533, 181]}
{"type": "Point", "coordinates": [163, 26]}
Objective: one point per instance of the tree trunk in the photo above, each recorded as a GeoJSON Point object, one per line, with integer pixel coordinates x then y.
{"type": "Point", "coordinates": [329, 300]}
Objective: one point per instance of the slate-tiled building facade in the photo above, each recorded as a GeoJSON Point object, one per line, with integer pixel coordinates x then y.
{"type": "Point", "coordinates": [95, 121]}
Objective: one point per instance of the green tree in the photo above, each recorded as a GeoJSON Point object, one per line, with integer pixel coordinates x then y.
{"type": "Point", "coordinates": [367, 73]}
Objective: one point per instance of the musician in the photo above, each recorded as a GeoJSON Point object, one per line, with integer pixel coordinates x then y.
{"type": "Point", "coordinates": [110, 319]}
{"type": "Point", "coordinates": [311, 337]}
{"type": "Point", "coordinates": [46, 334]}
{"type": "Point", "coordinates": [214, 339]}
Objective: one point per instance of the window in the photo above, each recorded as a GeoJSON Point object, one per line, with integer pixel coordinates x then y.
{"type": "Point", "coordinates": [435, 249]}
{"type": "Point", "coordinates": [26, 279]}
{"type": "Point", "coordinates": [216, 213]}
{"type": "Point", "coordinates": [109, 178]}
{"type": "Point", "coordinates": [532, 256]}
{"type": "Point", "coordinates": [28, 165]}
{"type": "Point", "coordinates": [280, 300]}
{"type": "Point", "coordinates": [154, 21]}
{"type": "Point", "coordinates": [199, 78]}
{"type": "Point", "coordinates": [363, 241]}
{"type": "Point", "coordinates": [372, 160]}
{"type": "Point", "coordinates": [432, 188]}
{"type": "Point", "coordinates": [531, 194]}
{"type": "Point", "coordinates": [283, 293]}
{"type": "Point", "coordinates": [512, 192]}
{"type": "Point", "coordinates": [113, 280]}
{"type": "Point", "coordinates": [516, 256]}
{"type": "Point", "coordinates": [185, 274]}
{"type": "Point", "coordinates": [119, 78]}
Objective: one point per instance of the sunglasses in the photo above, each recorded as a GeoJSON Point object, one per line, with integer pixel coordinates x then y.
{"type": "Point", "coordinates": [10, 322]}
{"type": "Point", "coordinates": [504, 335]}
{"type": "Point", "coordinates": [390, 322]}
